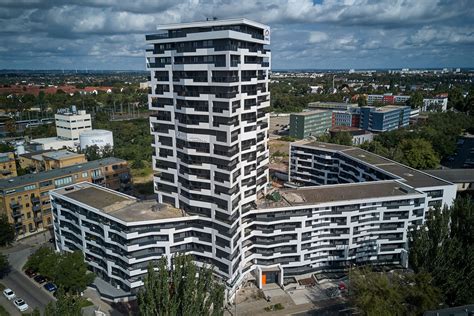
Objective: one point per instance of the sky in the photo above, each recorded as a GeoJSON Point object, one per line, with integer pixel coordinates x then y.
{"type": "Point", "coordinates": [323, 34]}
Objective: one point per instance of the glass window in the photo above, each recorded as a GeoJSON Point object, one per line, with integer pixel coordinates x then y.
{"type": "Point", "coordinates": [63, 181]}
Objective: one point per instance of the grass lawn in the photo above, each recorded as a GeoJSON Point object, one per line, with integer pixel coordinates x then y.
{"type": "Point", "coordinates": [3, 311]}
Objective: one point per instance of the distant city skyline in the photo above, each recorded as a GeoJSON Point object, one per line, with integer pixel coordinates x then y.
{"type": "Point", "coordinates": [359, 34]}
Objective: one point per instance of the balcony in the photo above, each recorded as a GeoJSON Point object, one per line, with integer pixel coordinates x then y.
{"type": "Point", "coordinates": [36, 208]}
{"type": "Point", "coordinates": [38, 219]}
{"type": "Point", "coordinates": [16, 213]}
{"type": "Point", "coordinates": [14, 205]}
{"type": "Point", "coordinates": [35, 200]}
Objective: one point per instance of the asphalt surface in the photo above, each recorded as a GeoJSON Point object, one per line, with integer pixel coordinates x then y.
{"type": "Point", "coordinates": [24, 287]}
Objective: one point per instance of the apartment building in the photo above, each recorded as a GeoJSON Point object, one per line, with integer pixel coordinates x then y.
{"type": "Point", "coordinates": [7, 165]}
{"type": "Point", "coordinates": [384, 119]}
{"type": "Point", "coordinates": [345, 206]}
{"type": "Point", "coordinates": [435, 104]}
{"type": "Point", "coordinates": [209, 97]}
{"type": "Point", "coordinates": [311, 123]}
{"type": "Point", "coordinates": [387, 98]}
{"type": "Point", "coordinates": [72, 123]}
{"type": "Point", "coordinates": [25, 199]}
{"type": "Point", "coordinates": [50, 159]}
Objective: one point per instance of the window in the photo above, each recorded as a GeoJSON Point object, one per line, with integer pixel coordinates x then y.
{"type": "Point", "coordinates": [63, 181]}
{"type": "Point", "coordinates": [28, 215]}
{"type": "Point", "coordinates": [85, 174]}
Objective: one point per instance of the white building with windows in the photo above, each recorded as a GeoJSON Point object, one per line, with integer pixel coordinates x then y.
{"type": "Point", "coordinates": [435, 105]}
{"type": "Point", "coordinates": [69, 125]}
{"type": "Point", "coordinates": [209, 97]}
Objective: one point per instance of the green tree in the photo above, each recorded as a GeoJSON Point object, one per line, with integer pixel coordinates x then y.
{"type": "Point", "coordinates": [418, 153]}
{"type": "Point", "coordinates": [92, 153]}
{"type": "Point", "coordinates": [444, 247]}
{"type": "Point", "coordinates": [379, 293]}
{"type": "Point", "coordinates": [66, 305]}
{"type": "Point", "coordinates": [362, 101]}
{"type": "Point", "coordinates": [4, 265]}
{"type": "Point", "coordinates": [7, 231]}
{"type": "Point", "coordinates": [342, 138]}
{"type": "Point", "coordinates": [416, 100]}
{"type": "Point", "coordinates": [5, 148]}
{"type": "Point", "coordinates": [35, 260]}
{"type": "Point", "coordinates": [72, 273]}
{"type": "Point", "coordinates": [182, 290]}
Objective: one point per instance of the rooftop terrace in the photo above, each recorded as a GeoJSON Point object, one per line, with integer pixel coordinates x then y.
{"type": "Point", "coordinates": [338, 192]}
{"type": "Point", "coordinates": [121, 206]}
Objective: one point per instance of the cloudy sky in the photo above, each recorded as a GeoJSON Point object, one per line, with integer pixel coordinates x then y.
{"type": "Point", "coordinates": [320, 34]}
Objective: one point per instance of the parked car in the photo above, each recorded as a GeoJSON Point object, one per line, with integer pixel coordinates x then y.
{"type": "Point", "coordinates": [40, 279]}
{"type": "Point", "coordinates": [30, 272]}
{"type": "Point", "coordinates": [20, 304]}
{"type": "Point", "coordinates": [50, 287]}
{"type": "Point", "coordinates": [9, 294]}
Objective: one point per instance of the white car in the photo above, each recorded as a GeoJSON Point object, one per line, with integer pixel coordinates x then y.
{"type": "Point", "coordinates": [20, 304]}
{"type": "Point", "coordinates": [9, 294]}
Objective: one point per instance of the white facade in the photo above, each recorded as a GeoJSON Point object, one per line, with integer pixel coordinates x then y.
{"type": "Point", "coordinates": [71, 124]}
{"type": "Point", "coordinates": [210, 98]}
{"type": "Point", "coordinates": [98, 137]}
{"type": "Point", "coordinates": [434, 105]}
{"type": "Point", "coordinates": [54, 143]}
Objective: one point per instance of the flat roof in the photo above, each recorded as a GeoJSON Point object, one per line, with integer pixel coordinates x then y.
{"type": "Point", "coordinates": [56, 173]}
{"type": "Point", "coordinates": [217, 22]}
{"type": "Point", "coordinates": [307, 113]}
{"type": "Point", "coordinates": [61, 154]}
{"type": "Point", "coordinates": [51, 140]}
{"type": "Point", "coordinates": [119, 205]}
{"type": "Point", "coordinates": [453, 175]}
{"type": "Point", "coordinates": [408, 175]}
{"type": "Point", "coordinates": [338, 192]}
{"type": "Point", "coordinates": [32, 154]}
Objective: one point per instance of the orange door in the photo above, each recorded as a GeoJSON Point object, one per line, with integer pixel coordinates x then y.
{"type": "Point", "coordinates": [264, 279]}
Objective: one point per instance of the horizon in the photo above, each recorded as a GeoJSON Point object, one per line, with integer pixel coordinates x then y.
{"type": "Point", "coordinates": [316, 34]}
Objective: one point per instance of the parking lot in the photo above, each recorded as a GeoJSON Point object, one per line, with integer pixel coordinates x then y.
{"type": "Point", "coordinates": [33, 293]}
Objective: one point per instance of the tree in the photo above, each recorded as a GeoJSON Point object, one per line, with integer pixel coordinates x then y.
{"type": "Point", "coordinates": [92, 152]}
{"type": "Point", "coordinates": [444, 247]}
{"type": "Point", "coordinates": [72, 274]}
{"type": "Point", "coordinates": [362, 101]}
{"type": "Point", "coordinates": [7, 231]}
{"type": "Point", "coordinates": [4, 265]}
{"type": "Point", "coordinates": [66, 305]}
{"type": "Point", "coordinates": [416, 100]}
{"type": "Point", "coordinates": [418, 153]}
{"type": "Point", "coordinates": [68, 270]}
{"type": "Point", "coordinates": [342, 138]}
{"type": "Point", "coordinates": [182, 290]}
{"type": "Point", "coordinates": [4, 148]}
{"type": "Point", "coordinates": [379, 293]}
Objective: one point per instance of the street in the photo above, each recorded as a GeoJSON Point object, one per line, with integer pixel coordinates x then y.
{"type": "Point", "coordinates": [24, 287]}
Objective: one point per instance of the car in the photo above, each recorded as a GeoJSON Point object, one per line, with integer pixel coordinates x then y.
{"type": "Point", "coordinates": [40, 279]}
{"type": "Point", "coordinates": [50, 287]}
{"type": "Point", "coordinates": [9, 294]}
{"type": "Point", "coordinates": [20, 304]}
{"type": "Point", "coordinates": [30, 272]}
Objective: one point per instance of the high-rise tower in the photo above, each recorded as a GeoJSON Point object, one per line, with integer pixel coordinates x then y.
{"type": "Point", "coordinates": [209, 96]}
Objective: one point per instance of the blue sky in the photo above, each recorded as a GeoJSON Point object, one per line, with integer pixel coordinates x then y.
{"type": "Point", "coordinates": [323, 34]}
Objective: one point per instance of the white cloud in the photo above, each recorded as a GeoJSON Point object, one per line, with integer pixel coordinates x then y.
{"type": "Point", "coordinates": [317, 37]}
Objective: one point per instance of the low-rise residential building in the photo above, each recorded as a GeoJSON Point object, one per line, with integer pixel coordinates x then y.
{"type": "Point", "coordinates": [7, 165]}
{"type": "Point", "coordinates": [345, 206]}
{"type": "Point", "coordinates": [311, 123]}
{"type": "Point", "coordinates": [48, 160]}
{"type": "Point", "coordinates": [25, 199]}
{"type": "Point", "coordinates": [384, 119]}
